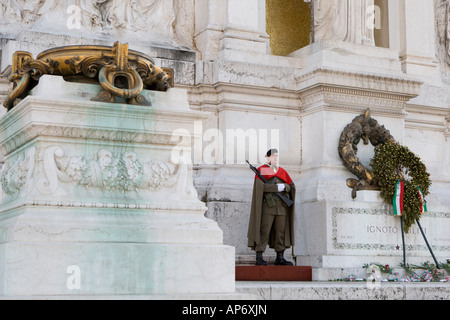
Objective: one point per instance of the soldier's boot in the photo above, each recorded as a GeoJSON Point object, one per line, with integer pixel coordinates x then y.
{"type": "Point", "coordinates": [281, 261]}
{"type": "Point", "coordinates": [259, 259]}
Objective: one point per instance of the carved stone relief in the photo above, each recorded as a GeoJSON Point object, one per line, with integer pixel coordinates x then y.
{"type": "Point", "coordinates": [52, 172]}
{"type": "Point", "coordinates": [24, 11]}
{"type": "Point", "coordinates": [446, 7]}
{"type": "Point", "coordinates": [17, 175]}
{"type": "Point", "coordinates": [443, 29]}
{"type": "Point", "coordinates": [107, 171]}
{"type": "Point", "coordinates": [343, 20]}
{"type": "Point", "coordinates": [443, 35]}
{"type": "Point", "coordinates": [148, 15]}
{"type": "Point", "coordinates": [166, 21]}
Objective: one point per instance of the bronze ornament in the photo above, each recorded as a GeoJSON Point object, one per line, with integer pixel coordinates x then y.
{"type": "Point", "coordinates": [121, 72]}
{"type": "Point", "coordinates": [369, 130]}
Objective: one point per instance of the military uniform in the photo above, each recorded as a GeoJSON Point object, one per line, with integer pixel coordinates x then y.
{"type": "Point", "coordinates": [271, 220]}
{"type": "Point", "coordinates": [274, 212]}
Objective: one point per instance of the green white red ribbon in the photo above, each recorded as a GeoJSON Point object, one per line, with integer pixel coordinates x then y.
{"type": "Point", "coordinates": [423, 203]}
{"type": "Point", "coordinates": [398, 198]}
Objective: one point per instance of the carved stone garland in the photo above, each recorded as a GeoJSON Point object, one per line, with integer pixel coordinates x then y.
{"type": "Point", "coordinates": [110, 173]}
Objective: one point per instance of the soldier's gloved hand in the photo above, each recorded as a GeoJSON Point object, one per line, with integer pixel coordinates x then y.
{"type": "Point", "coordinates": [281, 187]}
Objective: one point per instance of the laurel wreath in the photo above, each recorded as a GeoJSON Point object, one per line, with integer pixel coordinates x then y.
{"type": "Point", "coordinates": [392, 162]}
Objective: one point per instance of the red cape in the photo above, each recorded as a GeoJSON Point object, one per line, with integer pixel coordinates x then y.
{"type": "Point", "coordinates": [268, 173]}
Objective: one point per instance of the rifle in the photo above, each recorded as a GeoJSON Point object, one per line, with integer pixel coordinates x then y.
{"type": "Point", "coordinates": [286, 200]}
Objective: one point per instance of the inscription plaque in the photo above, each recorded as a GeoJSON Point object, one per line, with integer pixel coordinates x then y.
{"type": "Point", "coordinates": [378, 230]}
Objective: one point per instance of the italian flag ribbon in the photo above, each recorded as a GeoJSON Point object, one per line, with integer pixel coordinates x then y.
{"type": "Point", "coordinates": [398, 198]}
{"type": "Point", "coordinates": [423, 203]}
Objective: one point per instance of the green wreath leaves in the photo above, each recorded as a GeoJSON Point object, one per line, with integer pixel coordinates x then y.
{"type": "Point", "coordinates": [392, 162]}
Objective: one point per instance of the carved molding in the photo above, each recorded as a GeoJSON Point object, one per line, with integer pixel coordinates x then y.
{"type": "Point", "coordinates": [33, 131]}
{"type": "Point", "coordinates": [353, 100]}
{"type": "Point", "coordinates": [385, 84]}
{"type": "Point", "coordinates": [130, 205]}
{"type": "Point", "coordinates": [227, 96]}
{"type": "Point", "coordinates": [355, 91]}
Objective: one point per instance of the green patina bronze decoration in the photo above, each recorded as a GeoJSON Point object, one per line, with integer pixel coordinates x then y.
{"type": "Point", "coordinates": [365, 128]}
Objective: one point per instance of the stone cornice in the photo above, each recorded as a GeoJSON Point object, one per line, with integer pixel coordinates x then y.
{"type": "Point", "coordinates": [228, 96]}
{"type": "Point", "coordinates": [338, 90]}
{"type": "Point", "coordinates": [396, 85]}
{"type": "Point", "coordinates": [190, 207]}
{"type": "Point", "coordinates": [316, 89]}
{"type": "Point", "coordinates": [351, 100]}
{"type": "Point", "coordinates": [83, 119]}
{"type": "Point", "coordinates": [16, 133]}
{"type": "Point", "coordinates": [31, 132]}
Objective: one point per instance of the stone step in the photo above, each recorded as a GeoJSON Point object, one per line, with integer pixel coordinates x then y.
{"type": "Point", "coordinates": [273, 273]}
{"type": "Point", "coordinates": [345, 290]}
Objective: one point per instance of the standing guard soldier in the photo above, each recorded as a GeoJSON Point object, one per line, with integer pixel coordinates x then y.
{"type": "Point", "coordinates": [271, 220]}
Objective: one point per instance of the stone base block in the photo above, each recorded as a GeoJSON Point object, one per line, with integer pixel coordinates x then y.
{"type": "Point", "coordinates": [115, 269]}
{"type": "Point", "coordinates": [113, 253]}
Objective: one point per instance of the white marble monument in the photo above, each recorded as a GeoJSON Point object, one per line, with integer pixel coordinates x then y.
{"type": "Point", "coordinates": [389, 56]}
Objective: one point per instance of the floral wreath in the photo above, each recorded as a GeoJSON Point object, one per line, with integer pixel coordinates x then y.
{"type": "Point", "coordinates": [403, 179]}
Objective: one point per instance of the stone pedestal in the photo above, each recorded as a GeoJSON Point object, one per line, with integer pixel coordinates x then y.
{"type": "Point", "coordinates": [97, 199]}
{"type": "Point", "coordinates": [338, 237]}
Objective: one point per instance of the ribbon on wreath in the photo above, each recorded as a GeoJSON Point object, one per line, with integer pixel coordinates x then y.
{"type": "Point", "coordinates": [423, 203]}
{"type": "Point", "coordinates": [399, 195]}
{"type": "Point", "coordinates": [398, 198]}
